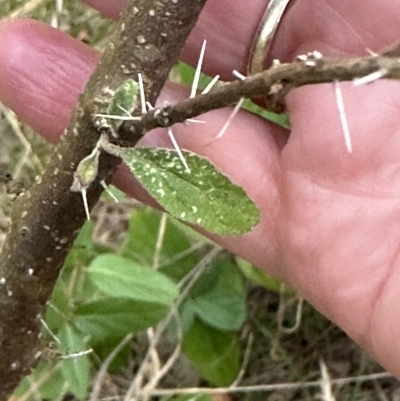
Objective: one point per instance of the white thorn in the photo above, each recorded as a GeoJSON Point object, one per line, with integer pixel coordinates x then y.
{"type": "Point", "coordinates": [149, 106]}
{"type": "Point", "coordinates": [210, 85]}
{"type": "Point", "coordinates": [237, 74]}
{"type": "Point", "coordinates": [76, 354]}
{"type": "Point", "coordinates": [142, 94]}
{"type": "Point", "coordinates": [85, 203]}
{"type": "Point", "coordinates": [372, 53]}
{"type": "Point", "coordinates": [326, 383]}
{"type": "Point", "coordinates": [230, 118]}
{"type": "Point", "coordinates": [316, 55]}
{"type": "Point", "coordinates": [59, 6]}
{"type": "Point", "coordinates": [370, 77]}
{"type": "Point", "coordinates": [192, 120]}
{"type": "Point", "coordinates": [104, 185]}
{"type": "Point", "coordinates": [125, 111]}
{"type": "Point", "coordinates": [178, 149]}
{"type": "Point", "coordinates": [113, 117]}
{"type": "Point", "coordinates": [54, 337]}
{"type": "Point", "coordinates": [342, 115]}
{"type": "Point", "coordinates": [198, 70]}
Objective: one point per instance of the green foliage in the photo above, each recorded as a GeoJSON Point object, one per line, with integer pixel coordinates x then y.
{"type": "Point", "coordinates": [220, 309]}
{"type": "Point", "coordinates": [114, 317]}
{"type": "Point", "coordinates": [261, 277]}
{"type": "Point", "coordinates": [258, 276]}
{"type": "Point", "coordinates": [74, 368]}
{"type": "Point", "coordinates": [214, 353]}
{"type": "Point", "coordinates": [202, 196]}
{"type": "Point", "coordinates": [121, 277]}
{"type": "Point", "coordinates": [219, 297]}
{"type": "Point", "coordinates": [101, 297]}
{"type": "Point", "coordinates": [51, 389]}
{"type": "Point", "coordinates": [140, 244]}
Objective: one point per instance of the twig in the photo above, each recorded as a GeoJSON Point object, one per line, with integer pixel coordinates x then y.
{"type": "Point", "coordinates": [99, 379]}
{"type": "Point", "coordinates": [153, 382]}
{"type": "Point", "coordinates": [268, 387]}
{"type": "Point", "coordinates": [281, 312]}
{"type": "Point", "coordinates": [279, 80]}
{"type": "Point", "coordinates": [160, 241]}
{"type": "Point", "coordinates": [246, 359]}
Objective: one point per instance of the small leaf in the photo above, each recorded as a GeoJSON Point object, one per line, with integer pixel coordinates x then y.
{"type": "Point", "coordinates": [144, 226]}
{"type": "Point", "coordinates": [222, 309]}
{"type": "Point", "coordinates": [75, 369]}
{"type": "Point", "coordinates": [116, 317]}
{"type": "Point", "coordinates": [215, 354]}
{"type": "Point", "coordinates": [203, 196]}
{"type": "Point", "coordinates": [86, 172]}
{"type": "Point", "coordinates": [52, 388]}
{"type": "Point", "coordinates": [122, 277]}
{"type": "Point", "coordinates": [219, 297]}
{"type": "Point", "coordinates": [261, 277]}
{"type": "Point", "coordinates": [124, 100]}
{"type": "Point", "coordinates": [84, 175]}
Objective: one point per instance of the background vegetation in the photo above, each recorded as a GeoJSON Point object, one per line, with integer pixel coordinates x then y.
{"type": "Point", "coordinates": [171, 308]}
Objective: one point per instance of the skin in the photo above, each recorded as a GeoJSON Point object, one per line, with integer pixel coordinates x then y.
{"type": "Point", "coordinates": [330, 220]}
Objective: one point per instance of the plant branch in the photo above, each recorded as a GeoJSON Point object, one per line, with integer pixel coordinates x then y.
{"type": "Point", "coordinates": [275, 82]}
{"type": "Point", "coordinates": [46, 220]}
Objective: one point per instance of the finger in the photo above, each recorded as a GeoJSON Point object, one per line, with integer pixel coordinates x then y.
{"type": "Point", "coordinates": [333, 28]}
{"type": "Point", "coordinates": [42, 72]}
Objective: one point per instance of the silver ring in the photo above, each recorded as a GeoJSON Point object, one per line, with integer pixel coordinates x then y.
{"type": "Point", "coordinates": [264, 35]}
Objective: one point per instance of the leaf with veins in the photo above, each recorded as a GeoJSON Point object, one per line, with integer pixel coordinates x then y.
{"type": "Point", "coordinates": [204, 196]}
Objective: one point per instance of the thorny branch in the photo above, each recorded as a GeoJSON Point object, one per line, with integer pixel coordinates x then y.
{"type": "Point", "coordinates": [276, 82]}
{"type": "Point", "coordinates": [46, 220]}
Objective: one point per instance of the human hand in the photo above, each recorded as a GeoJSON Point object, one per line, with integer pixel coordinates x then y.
{"type": "Point", "coordinates": [330, 220]}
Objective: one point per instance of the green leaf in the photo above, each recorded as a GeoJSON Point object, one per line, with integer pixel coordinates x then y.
{"type": "Point", "coordinates": [116, 317]}
{"type": "Point", "coordinates": [124, 98]}
{"type": "Point", "coordinates": [75, 369]}
{"type": "Point", "coordinates": [52, 388]}
{"type": "Point", "coordinates": [222, 309]}
{"type": "Point", "coordinates": [203, 196]}
{"type": "Point", "coordinates": [121, 277]}
{"type": "Point", "coordinates": [223, 273]}
{"type": "Point", "coordinates": [261, 277]}
{"type": "Point", "coordinates": [140, 245]}
{"type": "Point", "coordinates": [215, 354]}
{"type": "Point", "coordinates": [84, 249]}
{"type": "Point", "coordinates": [219, 296]}
{"type": "Point", "coordinates": [60, 308]}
